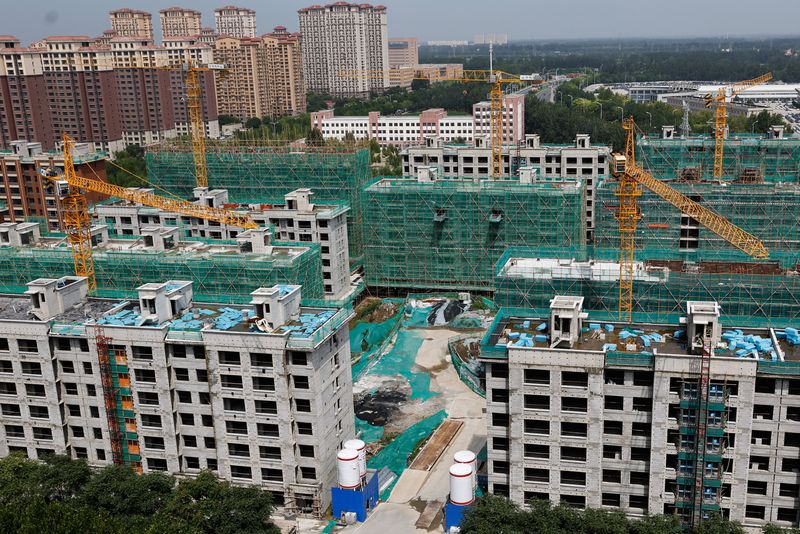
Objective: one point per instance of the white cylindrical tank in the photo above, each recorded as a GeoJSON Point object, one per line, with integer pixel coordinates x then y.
{"type": "Point", "coordinates": [361, 448]}
{"type": "Point", "coordinates": [469, 458]}
{"type": "Point", "coordinates": [347, 465]}
{"type": "Point", "coordinates": [461, 491]}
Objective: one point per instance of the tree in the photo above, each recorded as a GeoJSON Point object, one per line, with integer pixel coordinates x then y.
{"type": "Point", "coordinates": [122, 492]}
{"type": "Point", "coordinates": [224, 120]}
{"type": "Point", "coordinates": [349, 138]}
{"type": "Point", "coordinates": [315, 138]}
{"type": "Point", "coordinates": [127, 168]}
{"type": "Point", "coordinates": [253, 123]}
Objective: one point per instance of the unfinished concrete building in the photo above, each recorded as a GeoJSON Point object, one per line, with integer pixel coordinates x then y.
{"type": "Point", "coordinates": [688, 418]}
{"type": "Point", "coordinates": [299, 220]}
{"type": "Point", "coordinates": [259, 394]}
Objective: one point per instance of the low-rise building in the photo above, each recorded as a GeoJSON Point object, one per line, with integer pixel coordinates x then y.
{"type": "Point", "coordinates": [607, 415]}
{"type": "Point", "coordinates": [259, 394]}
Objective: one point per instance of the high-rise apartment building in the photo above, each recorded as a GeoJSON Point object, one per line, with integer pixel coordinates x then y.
{"type": "Point", "coordinates": [235, 21]}
{"type": "Point", "coordinates": [180, 22]}
{"type": "Point", "coordinates": [264, 76]}
{"type": "Point", "coordinates": [403, 52]}
{"type": "Point", "coordinates": [132, 23]}
{"type": "Point", "coordinates": [106, 95]}
{"type": "Point", "coordinates": [344, 46]}
{"type": "Point", "coordinates": [28, 195]}
{"type": "Point", "coordinates": [678, 420]}
{"type": "Point", "coordinates": [239, 390]}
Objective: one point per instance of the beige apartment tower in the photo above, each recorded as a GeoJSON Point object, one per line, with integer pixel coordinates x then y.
{"type": "Point", "coordinates": [265, 75]}
{"type": "Point", "coordinates": [340, 41]}
{"type": "Point", "coordinates": [235, 21]}
{"type": "Point", "coordinates": [180, 22]}
{"type": "Point", "coordinates": [132, 23]}
{"type": "Point", "coordinates": [403, 52]}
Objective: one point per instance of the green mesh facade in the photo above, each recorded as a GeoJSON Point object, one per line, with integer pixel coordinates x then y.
{"type": "Point", "coordinates": [223, 277]}
{"type": "Point", "coordinates": [769, 211]}
{"type": "Point", "coordinates": [775, 160]}
{"type": "Point", "coordinates": [449, 234]}
{"type": "Point", "coordinates": [266, 174]}
{"type": "Point", "coordinates": [748, 299]}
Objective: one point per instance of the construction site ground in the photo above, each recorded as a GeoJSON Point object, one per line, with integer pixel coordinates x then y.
{"type": "Point", "coordinates": [417, 487]}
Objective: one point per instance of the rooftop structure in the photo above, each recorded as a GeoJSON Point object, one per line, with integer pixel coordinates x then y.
{"type": "Point", "coordinates": [426, 233]}
{"type": "Point", "coordinates": [603, 414]}
{"type": "Point", "coordinates": [220, 272]}
{"type": "Point", "coordinates": [132, 23]}
{"type": "Point", "coordinates": [235, 21]}
{"type": "Point", "coordinates": [259, 394]}
{"type": "Point", "coordinates": [180, 22]}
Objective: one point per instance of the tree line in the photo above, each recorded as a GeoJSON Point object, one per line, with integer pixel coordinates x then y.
{"type": "Point", "coordinates": [66, 496]}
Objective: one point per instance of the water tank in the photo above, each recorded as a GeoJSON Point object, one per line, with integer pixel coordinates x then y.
{"type": "Point", "coordinates": [361, 448]}
{"type": "Point", "coordinates": [461, 492]}
{"type": "Point", "coordinates": [347, 466]}
{"type": "Point", "coordinates": [469, 458]}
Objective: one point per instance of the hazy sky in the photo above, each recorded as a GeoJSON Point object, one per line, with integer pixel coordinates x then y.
{"type": "Point", "coordinates": [451, 19]}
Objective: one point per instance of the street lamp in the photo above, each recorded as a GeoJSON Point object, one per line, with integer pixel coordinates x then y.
{"type": "Point", "coordinates": [621, 113]}
{"type": "Point", "coordinates": [650, 116]}
{"type": "Point", "coordinates": [601, 110]}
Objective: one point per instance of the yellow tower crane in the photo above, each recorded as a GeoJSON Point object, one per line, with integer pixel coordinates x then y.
{"type": "Point", "coordinates": [496, 78]}
{"type": "Point", "coordinates": [78, 222]}
{"type": "Point", "coordinates": [631, 177]}
{"type": "Point", "coordinates": [721, 115]}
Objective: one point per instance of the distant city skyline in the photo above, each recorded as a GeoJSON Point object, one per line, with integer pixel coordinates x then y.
{"type": "Point", "coordinates": [463, 19]}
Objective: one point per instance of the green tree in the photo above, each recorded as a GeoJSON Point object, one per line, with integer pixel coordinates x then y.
{"type": "Point", "coordinates": [253, 123]}
{"type": "Point", "coordinates": [315, 138]}
{"type": "Point", "coordinates": [127, 168]}
{"type": "Point", "coordinates": [122, 492]}
{"type": "Point", "coordinates": [224, 120]}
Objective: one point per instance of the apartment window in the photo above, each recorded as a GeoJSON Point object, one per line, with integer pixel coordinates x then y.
{"type": "Point", "coordinates": [81, 452]}
{"type": "Point", "coordinates": [3, 344]}
{"type": "Point", "coordinates": [305, 428]}
{"type": "Point", "coordinates": [759, 463]}
{"type": "Point", "coordinates": [641, 429]}
{"type": "Point", "coordinates": [148, 398]}
{"type": "Point", "coordinates": [500, 467]}
{"type": "Point", "coordinates": [573, 430]}
{"type": "Point", "coordinates": [181, 374]}
{"type": "Point", "coordinates": [31, 368]}
{"type": "Point", "coordinates": [573, 454]}
{"type": "Point", "coordinates": [575, 501]}
{"type": "Point", "coordinates": [233, 405]}
{"type": "Point", "coordinates": [236, 427]}
{"type": "Point", "coordinates": [642, 404]}
{"type": "Point", "coordinates": [42, 433]}
{"type": "Point", "coordinates": [612, 452]}
{"type": "Point", "coordinates": [756, 487]}
{"type": "Point", "coordinates": [12, 410]}
{"type": "Point", "coordinates": [187, 419]}
{"type": "Point", "coordinates": [638, 501]}
{"type": "Point", "coordinates": [754, 512]}
{"type": "Point", "coordinates": [229, 358]}
{"type": "Point", "coordinates": [269, 453]}
{"type": "Point", "coordinates": [641, 454]}
{"type": "Point", "coordinates": [231, 381]}
{"type": "Point", "coordinates": [67, 367]}
{"type": "Point", "coordinates": [91, 391]}
{"type": "Point", "coordinates": [309, 473]}
{"type": "Point", "coordinates": [6, 367]}
{"type": "Point", "coordinates": [302, 405]}
{"type": "Point", "coordinates": [39, 412]}
{"type": "Point", "coordinates": [178, 351]}
{"type": "Point", "coordinates": [306, 450]}
{"type": "Point", "coordinates": [97, 433]}
{"type": "Point", "coordinates": [266, 407]}
{"type": "Point", "coordinates": [83, 345]}
{"type": "Point", "coordinates": [499, 370]}
{"type": "Point", "coordinates": [537, 377]}
{"type": "Point", "coordinates": [239, 449]}
{"type": "Point", "coordinates": [156, 464]}
{"type": "Point", "coordinates": [27, 345]}
{"type": "Point", "coordinates": [183, 396]}
{"type": "Point", "coordinates": [189, 441]}
{"type": "Point", "coordinates": [499, 395]}
{"type": "Point", "coordinates": [537, 402]}
{"type": "Point", "coordinates": [613, 402]}
{"type": "Point", "coordinates": [789, 490]}
{"type": "Point", "coordinates": [271, 475]}
{"type": "Point", "coordinates": [142, 353]}
{"type": "Point", "coordinates": [537, 427]}
{"type": "Point", "coordinates": [145, 375]}
{"type": "Point", "coordinates": [15, 431]}
{"type": "Point", "coordinates": [207, 420]}
{"type": "Point", "coordinates": [612, 476]}
{"type": "Point", "coordinates": [260, 359]}
{"type": "Point", "coordinates": [569, 404]}
{"type": "Point", "coordinates": [574, 379]}
{"type": "Point", "coordinates": [154, 442]}
{"type": "Point", "coordinates": [191, 462]}
{"type": "Point", "coordinates": [536, 475]}
{"type": "Point", "coordinates": [575, 478]}
{"type": "Point", "coordinates": [611, 499]}
{"type": "Point", "coordinates": [639, 478]}
{"type": "Point", "coordinates": [539, 452]}
{"type": "Point", "coordinates": [35, 390]}
{"type": "Point", "coordinates": [500, 444]}
{"type": "Point", "coordinates": [202, 375]}
{"type": "Point", "coordinates": [94, 412]}
{"type": "Point", "coordinates": [765, 385]}
{"type": "Point", "coordinates": [267, 430]}
{"type": "Point", "coordinates": [762, 411]}
{"type": "Point", "coordinates": [299, 358]}
{"type": "Point", "coordinates": [151, 420]}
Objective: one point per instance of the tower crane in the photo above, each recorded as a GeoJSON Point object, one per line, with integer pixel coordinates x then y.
{"type": "Point", "coordinates": [78, 222]}
{"type": "Point", "coordinates": [496, 78]}
{"type": "Point", "coordinates": [721, 115]}
{"type": "Point", "coordinates": [631, 179]}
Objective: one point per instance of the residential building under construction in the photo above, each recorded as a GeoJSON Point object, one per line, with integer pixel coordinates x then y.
{"type": "Point", "coordinates": [259, 394]}
{"type": "Point", "coordinates": [692, 417]}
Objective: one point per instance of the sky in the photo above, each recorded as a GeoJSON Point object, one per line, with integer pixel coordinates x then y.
{"type": "Point", "coordinates": [451, 19]}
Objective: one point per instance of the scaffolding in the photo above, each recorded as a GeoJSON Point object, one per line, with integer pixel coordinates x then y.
{"type": "Point", "coordinates": [750, 293]}
{"type": "Point", "coordinates": [746, 158]}
{"type": "Point", "coordinates": [225, 277]}
{"type": "Point", "coordinates": [257, 173]}
{"type": "Point", "coordinates": [767, 210]}
{"type": "Point", "coordinates": [449, 234]}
